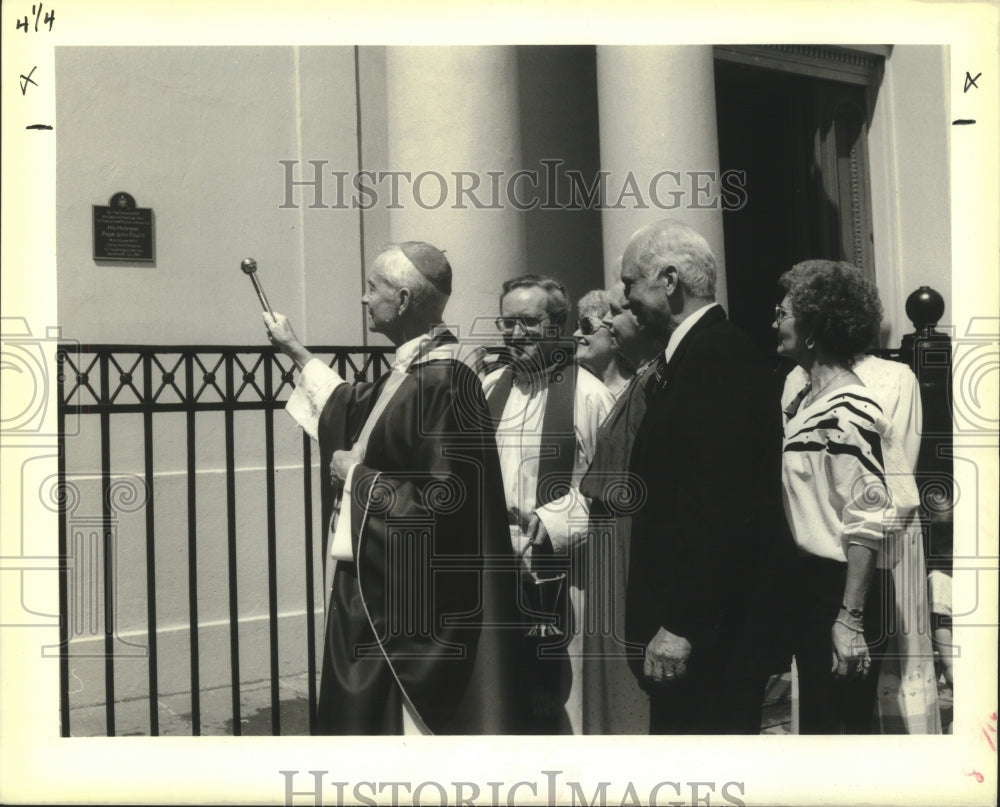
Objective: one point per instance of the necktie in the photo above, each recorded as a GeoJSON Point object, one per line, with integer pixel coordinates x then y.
{"type": "Point", "coordinates": [658, 377]}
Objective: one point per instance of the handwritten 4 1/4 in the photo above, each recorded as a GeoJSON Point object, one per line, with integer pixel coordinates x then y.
{"type": "Point", "coordinates": [36, 11]}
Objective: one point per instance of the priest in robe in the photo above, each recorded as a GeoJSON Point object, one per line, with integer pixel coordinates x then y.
{"type": "Point", "coordinates": [423, 632]}
{"type": "Point", "coordinates": [547, 417]}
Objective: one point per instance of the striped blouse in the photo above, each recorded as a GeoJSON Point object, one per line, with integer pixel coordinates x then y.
{"type": "Point", "coordinates": [840, 488]}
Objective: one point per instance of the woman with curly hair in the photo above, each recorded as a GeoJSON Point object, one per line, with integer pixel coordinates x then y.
{"type": "Point", "coordinates": [847, 487]}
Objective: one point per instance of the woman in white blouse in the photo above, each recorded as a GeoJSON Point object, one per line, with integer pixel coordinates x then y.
{"type": "Point", "coordinates": [597, 344]}
{"type": "Point", "coordinates": [847, 488]}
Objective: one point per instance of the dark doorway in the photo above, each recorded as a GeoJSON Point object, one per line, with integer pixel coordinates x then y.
{"type": "Point", "coordinates": [802, 143]}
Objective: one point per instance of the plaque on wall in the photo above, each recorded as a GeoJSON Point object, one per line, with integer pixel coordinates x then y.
{"type": "Point", "coordinates": [122, 231]}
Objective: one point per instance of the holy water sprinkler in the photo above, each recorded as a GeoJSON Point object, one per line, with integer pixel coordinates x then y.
{"type": "Point", "coordinates": [249, 267]}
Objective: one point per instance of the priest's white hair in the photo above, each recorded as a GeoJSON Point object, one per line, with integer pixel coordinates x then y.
{"type": "Point", "coordinates": [399, 271]}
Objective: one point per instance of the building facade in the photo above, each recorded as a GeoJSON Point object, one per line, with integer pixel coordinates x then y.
{"type": "Point", "coordinates": [513, 159]}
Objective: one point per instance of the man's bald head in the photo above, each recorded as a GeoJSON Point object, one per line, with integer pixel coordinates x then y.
{"type": "Point", "coordinates": [670, 243]}
{"type": "Point", "coordinates": [668, 270]}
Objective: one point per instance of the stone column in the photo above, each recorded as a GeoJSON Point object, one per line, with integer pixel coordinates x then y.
{"type": "Point", "coordinates": [453, 120]}
{"type": "Point", "coordinates": [657, 114]}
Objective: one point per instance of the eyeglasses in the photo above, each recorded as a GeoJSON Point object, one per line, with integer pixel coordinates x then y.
{"type": "Point", "coordinates": [508, 324]}
{"type": "Point", "coordinates": [588, 326]}
{"type": "Point", "coordinates": [781, 314]}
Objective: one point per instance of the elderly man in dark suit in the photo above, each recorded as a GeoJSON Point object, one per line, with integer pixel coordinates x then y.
{"type": "Point", "coordinates": [707, 544]}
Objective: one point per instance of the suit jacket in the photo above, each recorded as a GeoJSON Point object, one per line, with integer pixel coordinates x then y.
{"type": "Point", "coordinates": [709, 546]}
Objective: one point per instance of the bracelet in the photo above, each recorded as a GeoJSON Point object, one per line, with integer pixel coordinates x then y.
{"type": "Point", "coordinates": [850, 627]}
{"type": "Point", "coordinates": [857, 613]}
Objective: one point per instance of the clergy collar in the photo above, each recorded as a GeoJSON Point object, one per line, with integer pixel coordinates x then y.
{"type": "Point", "coordinates": [681, 330]}
{"type": "Point", "coordinates": [407, 352]}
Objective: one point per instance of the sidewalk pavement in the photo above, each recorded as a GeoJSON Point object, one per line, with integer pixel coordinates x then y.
{"type": "Point", "coordinates": [216, 712]}
{"type": "Point", "coordinates": [175, 719]}
{"type": "Point", "coordinates": [174, 711]}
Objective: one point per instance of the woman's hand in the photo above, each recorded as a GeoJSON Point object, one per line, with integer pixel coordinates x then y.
{"type": "Point", "coordinates": [850, 650]}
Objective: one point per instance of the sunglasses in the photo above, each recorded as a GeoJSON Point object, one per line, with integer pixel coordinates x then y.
{"type": "Point", "coordinates": [588, 326]}
{"type": "Point", "coordinates": [508, 324]}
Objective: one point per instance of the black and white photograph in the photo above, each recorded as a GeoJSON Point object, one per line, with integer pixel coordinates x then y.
{"type": "Point", "coordinates": [488, 405]}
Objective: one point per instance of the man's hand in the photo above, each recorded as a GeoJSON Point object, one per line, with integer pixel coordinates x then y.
{"type": "Point", "coordinates": [850, 650]}
{"type": "Point", "coordinates": [540, 538]}
{"type": "Point", "coordinates": [284, 337]}
{"type": "Point", "coordinates": [536, 542]}
{"type": "Point", "coordinates": [666, 657]}
{"type": "Point", "coordinates": [340, 464]}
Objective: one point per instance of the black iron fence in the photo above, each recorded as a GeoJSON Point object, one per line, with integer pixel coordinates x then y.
{"type": "Point", "coordinates": [97, 385]}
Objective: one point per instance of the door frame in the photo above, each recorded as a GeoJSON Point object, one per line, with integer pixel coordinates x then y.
{"type": "Point", "coordinates": [861, 66]}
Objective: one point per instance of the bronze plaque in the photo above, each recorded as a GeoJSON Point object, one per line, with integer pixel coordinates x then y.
{"type": "Point", "coordinates": [122, 231]}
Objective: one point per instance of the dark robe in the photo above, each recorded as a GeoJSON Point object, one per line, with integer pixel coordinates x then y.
{"type": "Point", "coordinates": [427, 612]}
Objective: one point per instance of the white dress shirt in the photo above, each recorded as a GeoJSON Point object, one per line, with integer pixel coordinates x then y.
{"type": "Point", "coordinates": [519, 440]}
{"type": "Point", "coordinates": [681, 330]}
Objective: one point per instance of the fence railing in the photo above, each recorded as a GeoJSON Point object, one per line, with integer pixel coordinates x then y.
{"type": "Point", "coordinates": [125, 391]}
{"type": "Point", "coordinates": [148, 401]}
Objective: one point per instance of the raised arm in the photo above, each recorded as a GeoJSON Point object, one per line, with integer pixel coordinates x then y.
{"type": "Point", "coordinates": [284, 337]}
{"type": "Point", "coordinates": [316, 381]}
